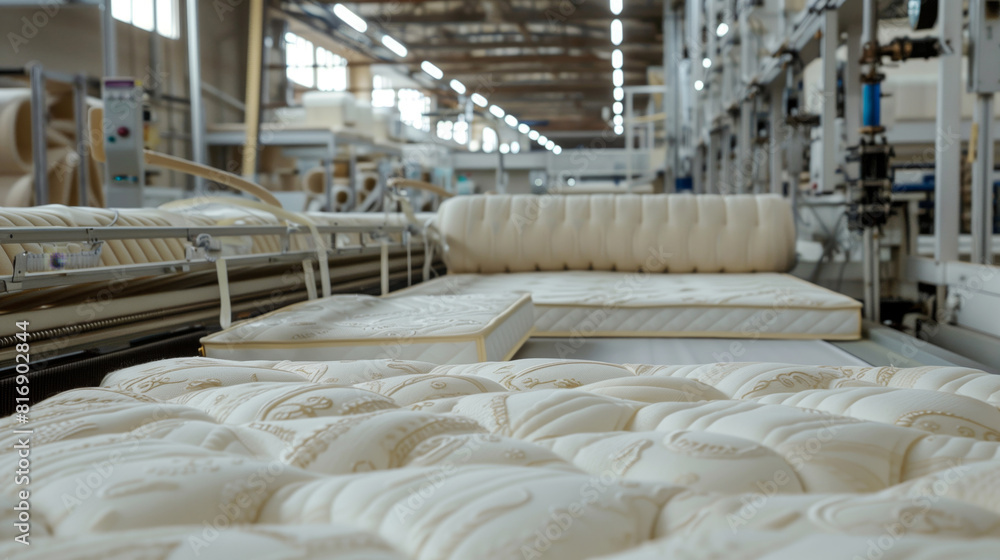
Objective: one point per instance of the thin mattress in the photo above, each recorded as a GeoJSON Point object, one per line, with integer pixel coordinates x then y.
{"type": "Point", "coordinates": [619, 304]}
{"type": "Point", "coordinates": [443, 329]}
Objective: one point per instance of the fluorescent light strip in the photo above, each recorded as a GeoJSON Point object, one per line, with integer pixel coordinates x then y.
{"type": "Point", "coordinates": [534, 135]}
{"type": "Point", "coordinates": [479, 100]}
{"type": "Point", "coordinates": [523, 128]}
{"type": "Point", "coordinates": [511, 121]}
{"type": "Point", "coordinates": [497, 111]}
{"type": "Point", "coordinates": [557, 150]}
{"type": "Point", "coordinates": [617, 58]}
{"type": "Point", "coordinates": [542, 140]}
{"type": "Point", "coordinates": [431, 70]}
{"type": "Point", "coordinates": [617, 33]}
{"type": "Point", "coordinates": [618, 78]}
{"type": "Point", "coordinates": [616, 6]}
{"type": "Point", "coordinates": [350, 18]}
{"type": "Point", "coordinates": [394, 46]}
{"type": "Point", "coordinates": [619, 94]}
{"type": "Point", "coordinates": [458, 86]}
{"type": "Point", "coordinates": [618, 107]}
{"type": "Point", "coordinates": [549, 145]}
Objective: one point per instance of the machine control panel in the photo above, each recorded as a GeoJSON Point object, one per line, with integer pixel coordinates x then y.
{"type": "Point", "coordinates": [123, 140]}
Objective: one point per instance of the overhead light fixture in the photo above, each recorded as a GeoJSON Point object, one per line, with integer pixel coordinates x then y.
{"type": "Point", "coordinates": [394, 46]}
{"type": "Point", "coordinates": [706, 62]}
{"type": "Point", "coordinates": [617, 58]}
{"type": "Point", "coordinates": [699, 85]}
{"type": "Point", "coordinates": [497, 111]}
{"type": "Point", "coordinates": [619, 120]}
{"type": "Point", "coordinates": [619, 94]}
{"type": "Point", "coordinates": [618, 107]}
{"type": "Point", "coordinates": [618, 77]}
{"type": "Point", "coordinates": [350, 18]}
{"type": "Point", "coordinates": [511, 121]}
{"type": "Point", "coordinates": [504, 149]}
{"type": "Point", "coordinates": [457, 86]}
{"type": "Point", "coordinates": [722, 29]}
{"type": "Point", "coordinates": [534, 135]}
{"type": "Point", "coordinates": [549, 145]}
{"type": "Point", "coordinates": [619, 130]}
{"type": "Point", "coordinates": [616, 32]}
{"type": "Point", "coordinates": [515, 147]}
{"type": "Point", "coordinates": [523, 128]}
{"type": "Point", "coordinates": [557, 150]}
{"type": "Point", "coordinates": [542, 140]}
{"type": "Point", "coordinates": [431, 70]}
{"type": "Point", "coordinates": [616, 7]}
{"type": "Point", "coordinates": [479, 100]}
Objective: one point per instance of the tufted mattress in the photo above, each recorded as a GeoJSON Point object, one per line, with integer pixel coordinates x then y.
{"type": "Point", "coordinates": [563, 460]}
{"type": "Point", "coordinates": [599, 303]}
{"type": "Point", "coordinates": [451, 329]}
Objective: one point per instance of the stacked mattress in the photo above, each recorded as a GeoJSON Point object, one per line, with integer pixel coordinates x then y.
{"type": "Point", "coordinates": [200, 457]}
{"type": "Point", "coordinates": [641, 265]}
{"type": "Point", "coordinates": [598, 303]}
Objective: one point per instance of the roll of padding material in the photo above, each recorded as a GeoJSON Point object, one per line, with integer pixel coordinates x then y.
{"type": "Point", "coordinates": [314, 183]}
{"type": "Point", "coordinates": [15, 129]}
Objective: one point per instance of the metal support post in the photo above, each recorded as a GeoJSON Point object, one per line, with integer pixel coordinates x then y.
{"type": "Point", "coordinates": [947, 159]}
{"type": "Point", "coordinates": [852, 86]}
{"type": "Point", "coordinates": [829, 102]}
{"type": "Point", "coordinates": [80, 117]}
{"type": "Point", "coordinates": [982, 182]}
{"type": "Point", "coordinates": [725, 166]}
{"type": "Point", "coordinates": [39, 142]}
{"type": "Point", "coordinates": [109, 43]}
{"type": "Point", "coordinates": [352, 171]}
{"type": "Point", "coordinates": [328, 183]}
{"type": "Point", "coordinates": [776, 143]}
{"type": "Point", "coordinates": [712, 164]}
{"type": "Point", "coordinates": [743, 170]}
{"type": "Point", "coordinates": [872, 274]}
{"type": "Point", "coordinates": [199, 154]}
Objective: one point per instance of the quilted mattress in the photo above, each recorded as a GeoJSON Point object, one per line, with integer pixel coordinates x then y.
{"type": "Point", "coordinates": [600, 303]}
{"type": "Point", "coordinates": [443, 329]}
{"type": "Point", "coordinates": [207, 458]}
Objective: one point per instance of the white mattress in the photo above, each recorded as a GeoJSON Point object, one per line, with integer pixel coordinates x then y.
{"type": "Point", "coordinates": [666, 351]}
{"type": "Point", "coordinates": [598, 304]}
{"type": "Point", "coordinates": [551, 459]}
{"type": "Point", "coordinates": [447, 329]}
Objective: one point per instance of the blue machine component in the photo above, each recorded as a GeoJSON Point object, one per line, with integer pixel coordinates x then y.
{"type": "Point", "coordinates": [872, 104]}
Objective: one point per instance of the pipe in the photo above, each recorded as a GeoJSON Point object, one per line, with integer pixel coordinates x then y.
{"type": "Point", "coordinates": [255, 48]}
{"type": "Point", "coordinates": [198, 151]}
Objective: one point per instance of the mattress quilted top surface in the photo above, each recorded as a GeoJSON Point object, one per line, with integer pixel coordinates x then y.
{"type": "Point", "coordinates": [621, 289]}
{"type": "Point", "coordinates": [362, 317]}
{"type": "Point", "coordinates": [551, 459]}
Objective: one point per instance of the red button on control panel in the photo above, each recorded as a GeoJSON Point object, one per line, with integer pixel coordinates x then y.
{"type": "Point", "coordinates": [123, 131]}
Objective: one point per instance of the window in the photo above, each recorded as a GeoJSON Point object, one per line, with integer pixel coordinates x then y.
{"type": "Point", "coordinates": [382, 93]}
{"type": "Point", "coordinates": [300, 55]}
{"type": "Point", "coordinates": [461, 134]}
{"type": "Point", "coordinates": [413, 105]}
{"type": "Point", "coordinates": [140, 14]}
{"type": "Point", "coordinates": [331, 71]}
{"type": "Point", "coordinates": [445, 130]}
{"type": "Point", "coordinates": [490, 140]}
{"type": "Point", "coordinates": [312, 66]}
